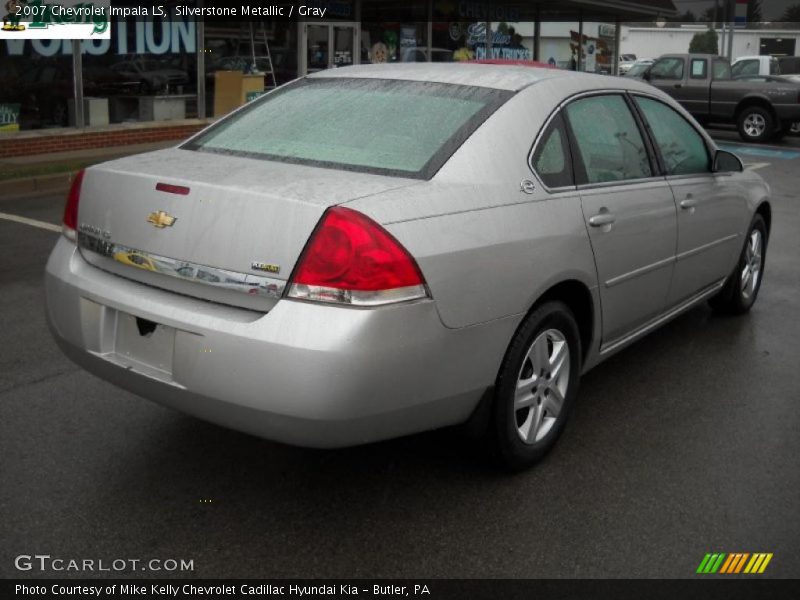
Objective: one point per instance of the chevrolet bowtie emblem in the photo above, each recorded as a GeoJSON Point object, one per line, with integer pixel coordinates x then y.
{"type": "Point", "coordinates": [161, 219]}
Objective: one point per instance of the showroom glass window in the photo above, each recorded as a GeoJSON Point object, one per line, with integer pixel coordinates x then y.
{"type": "Point", "coordinates": [682, 149]}
{"type": "Point", "coordinates": [229, 52]}
{"type": "Point", "coordinates": [147, 71]}
{"type": "Point", "coordinates": [36, 88]}
{"type": "Point", "coordinates": [609, 144]}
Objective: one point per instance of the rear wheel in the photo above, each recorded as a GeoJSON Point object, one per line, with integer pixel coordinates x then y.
{"type": "Point", "coordinates": [537, 386]}
{"type": "Point", "coordinates": [741, 289]}
{"type": "Point", "coordinates": [755, 124]}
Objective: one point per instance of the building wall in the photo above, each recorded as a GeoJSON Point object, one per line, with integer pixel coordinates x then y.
{"type": "Point", "coordinates": [652, 42]}
{"type": "Point", "coordinates": [65, 140]}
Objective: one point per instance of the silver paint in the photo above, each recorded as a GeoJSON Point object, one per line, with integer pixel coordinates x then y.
{"type": "Point", "coordinates": [316, 374]}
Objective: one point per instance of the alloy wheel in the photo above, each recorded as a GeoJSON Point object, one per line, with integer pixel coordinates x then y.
{"type": "Point", "coordinates": [754, 124]}
{"type": "Point", "coordinates": [752, 267]}
{"type": "Point", "coordinates": [542, 386]}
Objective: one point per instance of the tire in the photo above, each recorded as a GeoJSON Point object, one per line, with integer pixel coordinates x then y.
{"type": "Point", "coordinates": [755, 124]}
{"type": "Point", "coordinates": [549, 394]}
{"type": "Point", "coordinates": [740, 290]}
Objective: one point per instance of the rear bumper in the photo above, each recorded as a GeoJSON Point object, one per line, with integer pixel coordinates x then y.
{"type": "Point", "coordinates": [303, 374]}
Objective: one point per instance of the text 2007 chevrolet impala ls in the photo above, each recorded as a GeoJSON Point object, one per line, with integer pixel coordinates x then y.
{"type": "Point", "coordinates": [374, 251]}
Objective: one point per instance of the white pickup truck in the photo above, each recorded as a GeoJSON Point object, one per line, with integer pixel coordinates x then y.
{"type": "Point", "coordinates": [750, 66]}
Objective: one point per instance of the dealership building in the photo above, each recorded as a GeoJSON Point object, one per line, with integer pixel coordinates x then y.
{"type": "Point", "coordinates": [159, 79]}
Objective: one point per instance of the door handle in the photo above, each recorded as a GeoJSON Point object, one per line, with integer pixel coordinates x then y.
{"type": "Point", "coordinates": [688, 203]}
{"type": "Point", "coordinates": [602, 219]}
{"type": "Point", "coordinates": [678, 85]}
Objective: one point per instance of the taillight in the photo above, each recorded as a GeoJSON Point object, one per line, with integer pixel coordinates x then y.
{"type": "Point", "coordinates": [350, 259]}
{"type": "Point", "coordinates": [70, 221]}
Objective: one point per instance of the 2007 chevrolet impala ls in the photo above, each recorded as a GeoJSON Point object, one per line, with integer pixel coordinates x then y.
{"type": "Point", "coordinates": [374, 251]}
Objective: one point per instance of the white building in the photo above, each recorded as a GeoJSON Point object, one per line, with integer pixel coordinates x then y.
{"type": "Point", "coordinates": [652, 42]}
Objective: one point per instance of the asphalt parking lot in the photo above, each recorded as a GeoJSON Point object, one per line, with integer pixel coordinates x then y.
{"type": "Point", "coordinates": [686, 443]}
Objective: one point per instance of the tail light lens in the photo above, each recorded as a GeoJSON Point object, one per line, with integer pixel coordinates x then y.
{"type": "Point", "coordinates": [350, 259]}
{"type": "Point", "coordinates": [70, 221]}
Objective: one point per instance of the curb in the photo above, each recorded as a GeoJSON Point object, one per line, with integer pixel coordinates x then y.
{"type": "Point", "coordinates": [37, 185]}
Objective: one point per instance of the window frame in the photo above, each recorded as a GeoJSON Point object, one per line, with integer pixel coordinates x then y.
{"type": "Point", "coordinates": [654, 145]}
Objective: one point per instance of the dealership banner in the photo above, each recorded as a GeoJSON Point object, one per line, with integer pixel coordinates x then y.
{"type": "Point", "coordinates": [56, 20]}
{"type": "Point", "coordinates": [430, 589]}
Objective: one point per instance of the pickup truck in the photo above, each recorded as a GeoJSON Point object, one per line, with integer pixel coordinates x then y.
{"type": "Point", "coordinates": [762, 109]}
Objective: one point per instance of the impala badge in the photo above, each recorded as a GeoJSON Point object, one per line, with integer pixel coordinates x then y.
{"type": "Point", "coordinates": [160, 219]}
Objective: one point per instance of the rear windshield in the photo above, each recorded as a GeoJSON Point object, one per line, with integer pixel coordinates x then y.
{"type": "Point", "coordinates": [405, 128]}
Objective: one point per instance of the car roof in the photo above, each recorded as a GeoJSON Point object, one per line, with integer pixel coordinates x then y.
{"type": "Point", "coordinates": [502, 77]}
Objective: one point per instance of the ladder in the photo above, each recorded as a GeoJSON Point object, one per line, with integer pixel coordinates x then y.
{"type": "Point", "coordinates": [270, 70]}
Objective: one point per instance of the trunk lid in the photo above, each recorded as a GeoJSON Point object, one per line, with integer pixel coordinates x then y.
{"type": "Point", "coordinates": [237, 232]}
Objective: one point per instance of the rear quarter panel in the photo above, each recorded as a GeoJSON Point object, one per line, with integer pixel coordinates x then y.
{"type": "Point", "coordinates": [486, 249]}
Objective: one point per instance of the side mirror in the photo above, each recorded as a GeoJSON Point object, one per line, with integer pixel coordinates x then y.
{"type": "Point", "coordinates": [646, 75]}
{"type": "Point", "coordinates": [727, 162]}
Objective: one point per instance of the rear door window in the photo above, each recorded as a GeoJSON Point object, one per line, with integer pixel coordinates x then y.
{"type": "Point", "coordinates": [609, 144]}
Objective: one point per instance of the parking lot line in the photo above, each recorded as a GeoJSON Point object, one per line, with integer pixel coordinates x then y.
{"type": "Point", "coordinates": [31, 222]}
{"type": "Point", "coordinates": [762, 151]}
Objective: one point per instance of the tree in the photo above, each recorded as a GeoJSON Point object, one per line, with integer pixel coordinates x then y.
{"type": "Point", "coordinates": [705, 43]}
{"type": "Point", "coordinates": [791, 14]}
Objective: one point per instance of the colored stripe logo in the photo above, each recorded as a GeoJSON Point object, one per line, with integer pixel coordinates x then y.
{"type": "Point", "coordinates": [734, 563]}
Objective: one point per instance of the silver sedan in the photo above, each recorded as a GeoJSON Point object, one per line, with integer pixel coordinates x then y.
{"type": "Point", "coordinates": [374, 251]}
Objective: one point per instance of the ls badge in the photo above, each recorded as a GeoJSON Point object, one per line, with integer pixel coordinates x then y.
{"type": "Point", "coordinates": [160, 219]}
{"type": "Point", "coordinates": [266, 267]}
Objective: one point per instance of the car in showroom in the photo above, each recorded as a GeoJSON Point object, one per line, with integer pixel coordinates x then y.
{"type": "Point", "coordinates": [414, 245]}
